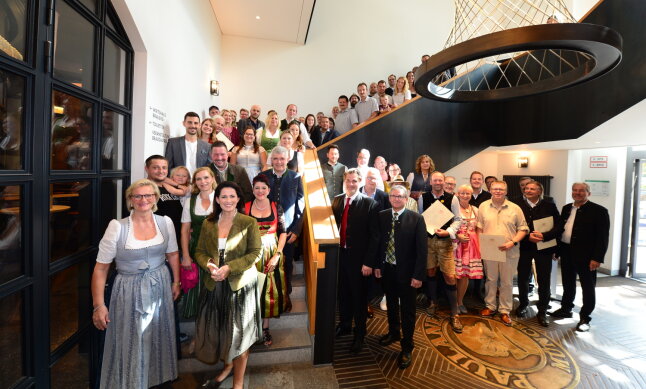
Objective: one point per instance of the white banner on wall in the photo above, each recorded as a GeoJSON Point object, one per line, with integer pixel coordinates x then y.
{"type": "Point", "coordinates": [599, 187]}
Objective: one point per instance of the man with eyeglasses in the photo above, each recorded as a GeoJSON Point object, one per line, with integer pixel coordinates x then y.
{"type": "Point", "coordinates": [499, 216]}
{"type": "Point", "coordinates": [401, 264]}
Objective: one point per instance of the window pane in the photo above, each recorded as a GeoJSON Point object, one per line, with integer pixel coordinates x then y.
{"type": "Point", "coordinates": [11, 340]}
{"type": "Point", "coordinates": [112, 146]}
{"type": "Point", "coordinates": [12, 92]}
{"type": "Point", "coordinates": [71, 133]}
{"type": "Point", "coordinates": [90, 4]}
{"type": "Point", "coordinates": [114, 72]}
{"type": "Point", "coordinates": [111, 201]}
{"type": "Point", "coordinates": [10, 227]}
{"type": "Point", "coordinates": [72, 371]}
{"type": "Point", "coordinates": [70, 302]}
{"type": "Point", "coordinates": [73, 47]}
{"type": "Point", "coordinates": [70, 216]}
{"type": "Point", "coordinates": [13, 28]}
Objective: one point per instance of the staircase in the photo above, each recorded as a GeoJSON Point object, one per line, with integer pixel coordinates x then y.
{"type": "Point", "coordinates": [291, 340]}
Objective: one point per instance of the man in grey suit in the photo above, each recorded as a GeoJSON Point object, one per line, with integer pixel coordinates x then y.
{"type": "Point", "coordinates": [187, 150]}
{"type": "Point", "coordinates": [224, 171]}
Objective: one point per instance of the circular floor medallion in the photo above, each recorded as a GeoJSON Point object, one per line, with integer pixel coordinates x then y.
{"type": "Point", "coordinates": [508, 357]}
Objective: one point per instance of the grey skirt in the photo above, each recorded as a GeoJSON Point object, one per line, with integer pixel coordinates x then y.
{"type": "Point", "coordinates": [228, 323]}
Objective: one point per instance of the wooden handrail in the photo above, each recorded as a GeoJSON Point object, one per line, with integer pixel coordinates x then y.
{"type": "Point", "coordinates": [367, 122]}
{"type": "Point", "coordinates": [319, 228]}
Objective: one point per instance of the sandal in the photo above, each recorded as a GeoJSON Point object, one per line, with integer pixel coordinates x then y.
{"type": "Point", "coordinates": [266, 337]}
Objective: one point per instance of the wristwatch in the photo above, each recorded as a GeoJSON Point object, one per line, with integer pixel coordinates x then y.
{"type": "Point", "coordinates": [515, 243]}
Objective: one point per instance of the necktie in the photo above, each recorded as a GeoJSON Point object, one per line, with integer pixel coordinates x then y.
{"type": "Point", "coordinates": [390, 247]}
{"type": "Point", "coordinates": [344, 221]}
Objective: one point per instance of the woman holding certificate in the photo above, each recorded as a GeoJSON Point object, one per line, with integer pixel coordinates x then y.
{"type": "Point", "coordinates": [540, 244]}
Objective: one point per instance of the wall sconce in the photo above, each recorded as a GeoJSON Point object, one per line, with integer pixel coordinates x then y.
{"type": "Point", "coordinates": [215, 88]}
{"type": "Point", "coordinates": [523, 162]}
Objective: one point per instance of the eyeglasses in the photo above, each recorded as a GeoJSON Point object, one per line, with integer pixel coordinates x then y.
{"type": "Point", "coordinates": [147, 196]}
{"type": "Point", "coordinates": [397, 197]}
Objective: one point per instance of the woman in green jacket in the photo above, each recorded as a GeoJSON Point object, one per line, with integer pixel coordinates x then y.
{"type": "Point", "coordinates": [228, 320]}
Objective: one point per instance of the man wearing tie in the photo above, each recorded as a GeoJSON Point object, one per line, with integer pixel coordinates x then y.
{"type": "Point", "coordinates": [356, 217]}
{"type": "Point", "coordinates": [401, 263]}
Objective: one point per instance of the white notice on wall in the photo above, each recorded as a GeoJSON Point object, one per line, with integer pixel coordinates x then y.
{"type": "Point", "coordinates": [599, 187]}
{"type": "Point", "coordinates": [157, 125]}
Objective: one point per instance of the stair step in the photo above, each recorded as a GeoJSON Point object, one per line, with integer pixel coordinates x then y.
{"type": "Point", "coordinates": [298, 267]}
{"type": "Point", "coordinates": [298, 287]}
{"type": "Point", "coordinates": [289, 345]}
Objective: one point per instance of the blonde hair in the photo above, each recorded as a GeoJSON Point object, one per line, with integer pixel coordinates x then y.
{"type": "Point", "coordinates": [195, 189]}
{"type": "Point", "coordinates": [405, 85]}
{"type": "Point", "coordinates": [269, 115]}
{"type": "Point", "coordinates": [177, 168]}
{"type": "Point", "coordinates": [139, 184]}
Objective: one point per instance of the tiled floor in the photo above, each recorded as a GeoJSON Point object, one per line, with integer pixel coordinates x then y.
{"type": "Point", "coordinates": [487, 354]}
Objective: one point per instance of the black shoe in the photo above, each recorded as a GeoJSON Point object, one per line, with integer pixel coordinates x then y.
{"type": "Point", "coordinates": [542, 319]}
{"type": "Point", "coordinates": [583, 325]}
{"type": "Point", "coordinates": [521, 311]}
{"type": "Point", "coordinates": [213, 384]}
{"type": "Point", "coordinates": [357, 345]}
{"type": "Point", "coordinates": [183, 337]}
{"type": "Point", "coordinates": [341, 331]}
{"type": "Point", "coordinates": [388, 339]}
{"type": "Point", "coordinates": [561, 313]}
{"type": "Point", "coordinates": [404, 359]}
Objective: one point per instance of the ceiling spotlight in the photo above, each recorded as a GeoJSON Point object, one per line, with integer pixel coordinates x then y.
{"type": "Point", "coordinates": [257, 17]}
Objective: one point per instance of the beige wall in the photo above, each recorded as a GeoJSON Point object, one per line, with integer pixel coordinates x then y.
{"type": "Point", "coordinates": [348, 42]}
{"type": "Point", "coordinates": [177, 52]}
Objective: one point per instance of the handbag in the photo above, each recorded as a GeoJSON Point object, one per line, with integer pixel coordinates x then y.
{"type": "Point", "coordinates": [189, 278]}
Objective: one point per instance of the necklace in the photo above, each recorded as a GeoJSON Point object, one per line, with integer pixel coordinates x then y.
{"type": "Point", "coordinates": [466, 210]}
{"type": "Point", "coordinates": [255, 204]}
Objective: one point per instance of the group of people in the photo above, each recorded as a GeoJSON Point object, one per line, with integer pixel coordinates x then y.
{"type": "Point", "coordinates": [383, 233]}
{"type": "Point", "coordinates": [235, 212]}
{"type": "Point", "coordinates": [216, 217]}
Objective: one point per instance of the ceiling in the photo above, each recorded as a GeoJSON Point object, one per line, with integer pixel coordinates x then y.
{"type": "Point", "coordinates": [279, 20]}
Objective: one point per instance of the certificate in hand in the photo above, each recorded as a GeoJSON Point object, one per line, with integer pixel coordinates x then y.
{"type": "Point", "coordinates": [436, 216]}
{"type": "Point", "coordinates": [223, 138]}
{"type": "Point", "coordinates": [543, 225]}
{"type": "Point", "coordinates": [489, 247]}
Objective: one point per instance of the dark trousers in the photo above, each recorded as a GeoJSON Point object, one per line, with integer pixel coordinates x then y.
{"type": "Point", "coordinates": [353, 288]}
{"type": "Point", "coordinates": [406, 295]}
{"type": "Point", "coordinates": [288, 253]}
{"type": "Point", "coordinates": [543, 273]}
{"type": "Point", "coordinates": [571, 265]}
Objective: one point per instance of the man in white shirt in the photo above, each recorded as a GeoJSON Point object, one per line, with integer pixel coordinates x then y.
{"type": "Point", "coordinates": [291, 113]}
{"type": "Point", "coordinates": [347, 118]}
{"type": "Point", "coordinates": [187, 150]}
{"type": "Point", "coordinates": [367, 107]}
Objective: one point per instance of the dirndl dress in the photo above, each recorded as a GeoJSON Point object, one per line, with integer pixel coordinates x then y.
{"type": "Point", "coordinates": [140, 349]}
{"type": "Point", "coordinates": [228, 323]}
{"type": "Point", "coordinates": [272, 298]}
{"type": "Point", "coordinates": [468, 261]}
{"type": "Point", "coordinates": [191, 298]}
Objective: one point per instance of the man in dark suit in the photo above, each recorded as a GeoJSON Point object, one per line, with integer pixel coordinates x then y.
{"type": "Point", "coordinates": [356, 217]}
{"type": "Point", "coordinates": [253, 120]}
{"type": "Point", "coordinates": [584, 243]}
{"type": "Point", "coordinates": [479, 194]}
{"type": "Point", "coordinates": [370, 189]}
{"type": "Point", "coordinates": [224, 171]}
{"type": "Point", "coordinates": [187, 150]}
{"type": "Point", "coordinates": [323, 134]}
{"type": "Point", "coordinates": [534, 207]}
{"type": "Point", "coordinates": [286, 188]}
{"type": "Point", "coordinates": [401, 263]}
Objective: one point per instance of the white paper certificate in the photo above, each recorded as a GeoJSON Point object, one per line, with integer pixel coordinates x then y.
{"type": "Point", "coordinates": [543, 225]}
{"type": "Point", "coordinates": [223, 138]}
{"type": "Point", "coordinates": [489, 247]}
{"type": "Point", "coordinates": [436, 216]}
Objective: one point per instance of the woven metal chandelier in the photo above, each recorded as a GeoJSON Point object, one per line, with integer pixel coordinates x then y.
{"type": "Point", "coordinates": [504, 49]}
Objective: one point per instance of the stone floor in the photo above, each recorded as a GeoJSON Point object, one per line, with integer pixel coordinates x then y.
{"type": "Point", "coordinates": [487, 354]}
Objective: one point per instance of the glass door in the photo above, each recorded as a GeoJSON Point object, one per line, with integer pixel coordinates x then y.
{"type": "Point", "coordinates": [638, 238]}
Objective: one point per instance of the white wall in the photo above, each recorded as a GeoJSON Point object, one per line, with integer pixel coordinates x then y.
{"type": "Point", "coordinates": [541, 163]}
{"type": "Point", "coordinates": [177, 52]}
{"type": "Point", "coordinates": [614, 202]}
{"type": "Point", "coordinates": [485, 162]}
{"type": "Point", "coordinates": [343, 48]}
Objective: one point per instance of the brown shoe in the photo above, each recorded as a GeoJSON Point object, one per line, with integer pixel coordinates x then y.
{"type": "Point", "coordinates": [505, 319]}
{"type": "Point", "coordinates": [371, 312]}
{"type": "Point", "coordinates": [487, 312]}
